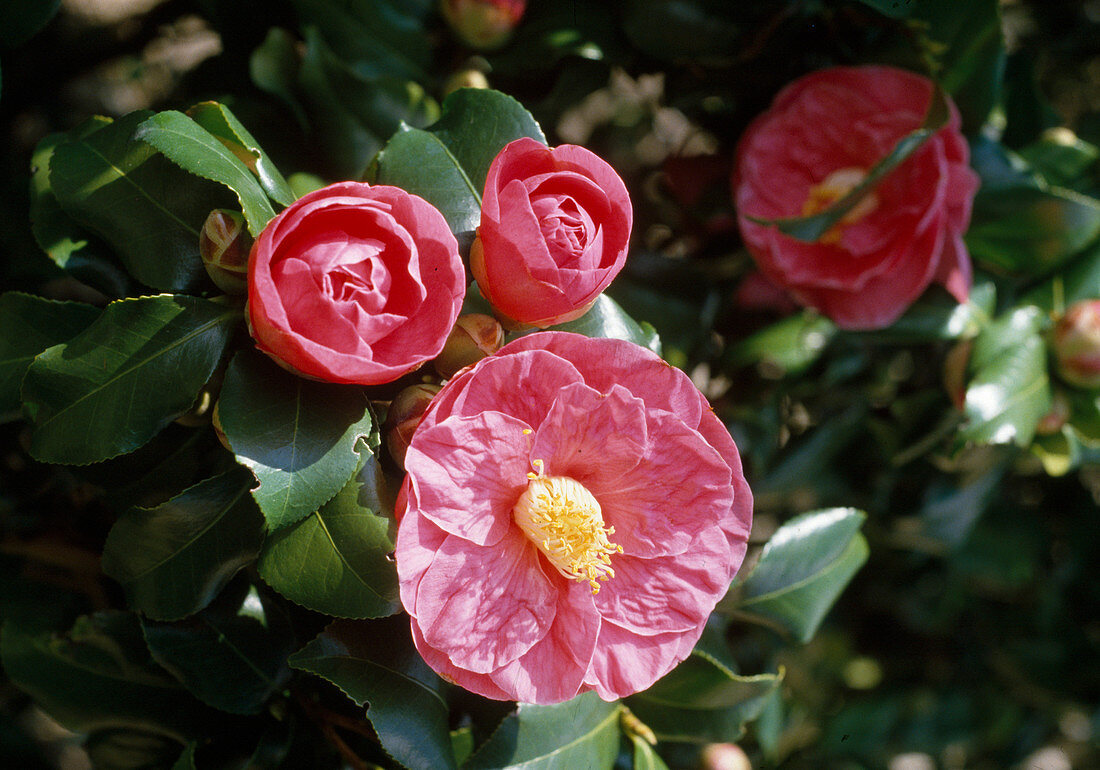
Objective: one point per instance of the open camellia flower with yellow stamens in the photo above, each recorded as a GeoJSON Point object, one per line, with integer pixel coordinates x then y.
{"type": "Point", "coordinates": [572, 513]}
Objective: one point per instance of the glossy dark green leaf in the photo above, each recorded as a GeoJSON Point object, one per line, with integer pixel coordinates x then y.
{"type": "Point", "coordinates": [186, 759]}
{"type": "Point", "coordinates": [788, 347]}
{"type": "Point", "coordinates": [29, 325]}
{"type": "Point", "coordinates": [146, 207]}
{"type": "Point", "coordinates": [378, 37]}
{"type": "Point", "coordinates": [583, 732]}
{"type": "Point", "coordinates": [1078, 280]}
{"type": "Point", "coordinates": [273, 67]}
{"type": "Point", "coordinates": [175, 558]}
{"type": "Point", "coordinates": [297, 436]}
{"type": "Point", "coordinates": [447, 163]}
{"type": "Point", "coordinates": [231, 656]}
{"type": "Point", "coordinates": [645, 756]}
{"type": "Point", "coordinates": [1009, 388]}
{"type": "Point", "coordinates": [1084, 414]}
{"type": "Point", "coordinates": [802, 570]}
{"type": "Point", "coordinates": [702, 701]}
{"type": "Point", "coordinates": [352, 114]}
{"type": "Point", "coordinates": [111, 388]}
{"type": "Point", "coordinates": [224, 125]}
{"type": "Point", "coordinates": [897, 9]}
{"type": "Point", "coordinates": [950, 512]}
{"type": "Point", "coordinates": [701, 32]}
{"type": "Point", "coordinates": [99, 676]}
{"type": "Point", "coordinates": [969, 49]}
{"type": "Point", "coordinates": [810, 228]}
{"type": "Point", "coordinates": [1031, 231]}
{"type": "Point", "coordinates": [939, 316]}
{"type": "Point", "coordinates": [1059, 452]}
{"type": "Point", "coordinates": [21, 19]}
{"type": "Point", "coordinates": [114, 749]}
{"type": "Point", "coordinates": [1061, 157]}
{"type": "Point", "coordinates": [608, 319]}
{"type": "Point", "coordinates": [376, 665]}
{"type": "Point", "coordinates": [69, 245]}
{"type": "Point", "coordinates": [196, 150]}
{"type": "Point", "coordinates": [335, 561]}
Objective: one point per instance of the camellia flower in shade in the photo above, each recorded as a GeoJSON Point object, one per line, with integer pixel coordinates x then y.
{"type": "Point", "coordinates": [572, 513]}
{"type": "Point", "coordinates": [555, 225]}
{"type": "Point", "coordinates": [355, 283]}
{"type": "Point", "coordinates": [818, 141]}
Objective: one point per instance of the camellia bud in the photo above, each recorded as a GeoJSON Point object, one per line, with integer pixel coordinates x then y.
{"type": "Point", "coordinates": [466, 78]}
{"type": "Point", "coordinates": [473, 337]}
{"type": "Point", "coordinates": [1077, 344]}
{"type": "Point", "coordinates": [404, 417]}
{"type": "Point", "coordinates": [224, 243]}
{"type": "Point", "coordinates": [483, 24]}
{"type": "Point", "coordinates": [1054, 420]}
{"type": "Point", "coordinates": [724, 756]}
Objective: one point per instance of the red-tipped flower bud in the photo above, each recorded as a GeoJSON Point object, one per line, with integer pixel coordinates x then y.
{"type": "Point", "coordinates": [473, 337]}
{"type": "Point", "coordinates": [1077, 344]}
{"type": "Point", "coordinates": [224, 243]}
{"type": "Point", "coordinates": [404, 416]}
{"type": "Point", "coordinates": [724, 756]}
{"type": "Point", "coordinates": [483, 24]}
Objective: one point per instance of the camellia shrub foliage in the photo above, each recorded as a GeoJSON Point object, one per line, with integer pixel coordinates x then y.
{"type": "Point", "coordinates": [493, 384]}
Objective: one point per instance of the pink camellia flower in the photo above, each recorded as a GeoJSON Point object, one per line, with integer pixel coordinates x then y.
{"type": "Point", "coordinates": [820, 137]}
{"type": "Point", "coordinates": [572, 513]}
{"type": "Point", "coordinates": [555, 224]}
{"type": "Point", "coordinates": [355, 283]}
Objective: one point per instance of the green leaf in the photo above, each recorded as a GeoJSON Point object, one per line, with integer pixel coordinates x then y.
{"type": "Point", "coordinates": [147, 208]}
{"type": "Point", "coordinates": [1059, 452]}
{"type": "Point", "coordinates": [939, 316]}
{"type": "Point", "coordinates": [231, 656]}
{"type": "Point", "coordinates": [69, 245]}
{"type": "Point", "coordinates": [950, 512]}
{"type": "Point", "coordinates": [196, 150]}
{"type": "Point", "coordinates": [810, 228]}
{"type": "Point", "coordinates": [608, 319]}
{"type": "Point", "coordinates": [583, 732]}
{"type": "Point", "coordinates": [703, 701]}
{"type": "Point", "coordinates": [1084, 414]}
{"type": "Point", "coordinates": [29, 325]}
{"type": "Point", "coordinates": [802, 570]}
{"type": "Point", "coordinates": [896, 9]}
{"type": "Point", "coordinates": [789, 346]}
{"type": "Point", "coordinates": [173, 559]}
{"type": "Point", "coordinates": [1031, 231]}
{"type": "Point", "coordinates": [353, 114]}
{"type": "Point", "coordinates": [1009, 389]}
{"type": "Point", "coordinates": [447, 163]}
{"type": "Point", "coordinates": [99, 676]}
{"type": "Point", "coordinates": [377, 37]}
{"type": "Point", "coordinates": [297, 436]}
{"type": "Point", "coordinates": [186, 759]}
{"type": "Point", "coordinates": [111, 388]}
{"type": "Point", "coordinates": [129, 749]}
{"type": "Point", "coordinates": [645, 756]}
{"type": "Point", "coordinates": [335, 561]}
{"type": "Point", "coordinates": [1061, 157]}
{"type": "Point", "coordinates": [22, 19]}
{"type": "Point", "coordinates": [273, 67]}
{"type": "Point", "coordinates": [969, 49]}
{"type": "Point", "coordinates": [375, 664]}
{"type": "Point", "coordinates": [227, 129]}
{"type": "Point", "coordinates": [1078, 280]}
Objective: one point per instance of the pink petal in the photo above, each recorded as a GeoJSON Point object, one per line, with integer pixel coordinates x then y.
{"type": "Point", "coordinates": [626, 663]}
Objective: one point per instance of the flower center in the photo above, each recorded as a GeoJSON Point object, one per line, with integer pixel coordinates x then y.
{"type": "Point", "coordinates": [564, 521]}
{"type": "Point", "coordinates": [833, 188]}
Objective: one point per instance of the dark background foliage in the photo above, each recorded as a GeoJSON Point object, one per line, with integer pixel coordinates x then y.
{"type": "Point", "coordinates": [970, 639]}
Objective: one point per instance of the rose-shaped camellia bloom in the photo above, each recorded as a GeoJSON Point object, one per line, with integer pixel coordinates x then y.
{"type": "Point", "coordinates": [572, 513]}
{"type": "Point", "coordinates": [355, 283]}
{"type": "Point", "coordinates": [818, 140]}
{"type": "Point", "coordinates": [555, 224]}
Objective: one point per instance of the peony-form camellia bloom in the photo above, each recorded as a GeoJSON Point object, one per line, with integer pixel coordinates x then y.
{"type": "Point", "coordinates": [572, 512]}
{"type": "Point", "coordinates": [355, 283]}
{"type": "Point", "coordinates": [819, 139]}
{"type": "Point", "coordinates": [555, 226]}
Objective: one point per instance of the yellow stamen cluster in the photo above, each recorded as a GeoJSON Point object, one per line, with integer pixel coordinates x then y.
{"type": "Point", "coordinates": [565, 522]}
{"type": "Point", "coordinates": [833, 188]}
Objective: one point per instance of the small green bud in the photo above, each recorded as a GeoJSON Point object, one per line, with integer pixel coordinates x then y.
{"type": "Point", "coordinates": [404, 416]}
{"type": "Point", "coordinates": [224, 244]}
{"type": "Point", "coordinates": [473, 337]}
